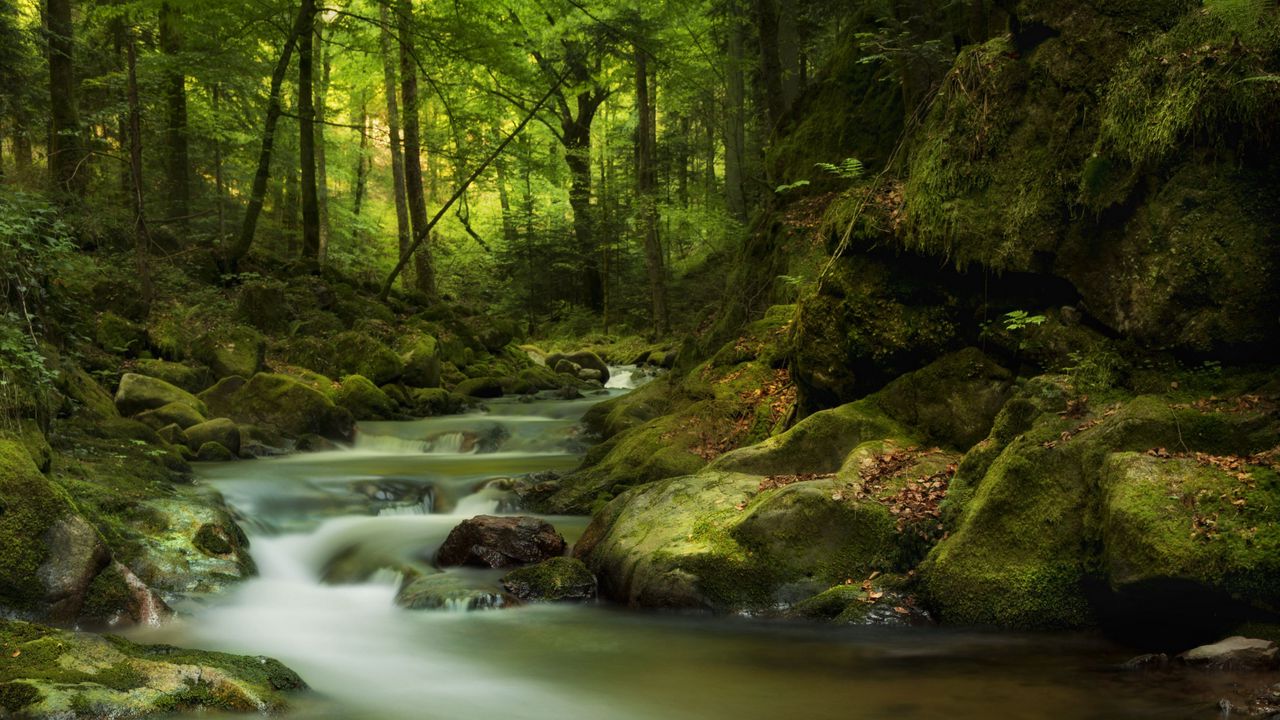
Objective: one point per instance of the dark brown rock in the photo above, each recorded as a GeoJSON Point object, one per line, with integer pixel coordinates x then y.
{"type": "Point", "coordinates": [490, 541]}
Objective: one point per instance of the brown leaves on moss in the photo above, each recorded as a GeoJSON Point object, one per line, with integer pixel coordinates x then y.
{"type": "Point", "coordinates": [1247, 403]}
{"type": "Point", "coordinates": [917, 506]}
{"type": "Point", "coordinates": [773, 482]}
{"type": "Point", "coordinates": [1067, 435]}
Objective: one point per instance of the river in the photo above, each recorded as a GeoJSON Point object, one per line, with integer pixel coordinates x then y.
{"type": "Point", "coordinates": [326, 526]}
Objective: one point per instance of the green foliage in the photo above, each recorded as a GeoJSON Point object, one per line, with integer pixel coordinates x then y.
{"type": "Point", "coordinates": [848, 169]}
{"type": "Point", "coordinates": [1021, 320]}
{"type": "Point", "coordinates": [1095, 369]}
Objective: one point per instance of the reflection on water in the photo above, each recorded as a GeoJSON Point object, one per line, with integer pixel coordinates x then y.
{"type": "Point", "coordinates": [331, 531]}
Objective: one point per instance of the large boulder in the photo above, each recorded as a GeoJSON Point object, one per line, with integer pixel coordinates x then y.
{"type": "Point", "coordinates": [138, 393]}
{"type": "Point", "coordinates": [1234, 653]}
{"type": "Point", "coordinates": [51, 673]}
{"type": "Point", "coordinates": [222, 431]}
{"type": "Point", "coordinates": [191, 379]}
{"type": "Point", "coordinates": [490, 541]}
{"type": "Point", "coordinates": [235, 350]}
{"type": "Point", "coordinates": [731, 542]}
{"type": "Point", "coordinates": [420, 354]}
{"type": "Point", "coordinates": [175, 413]}
{"type": "Point", "coordinates": [363, 399]}
{"type": "Point", "coordinates": [358, 353]}
{"type": "Point", "coordinates": [482, 387]}
{"type": "Point", "coordinates": [281, 403]}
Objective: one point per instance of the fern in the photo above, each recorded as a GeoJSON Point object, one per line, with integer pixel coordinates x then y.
{"type": "Point", "coordinates": [848, 169]}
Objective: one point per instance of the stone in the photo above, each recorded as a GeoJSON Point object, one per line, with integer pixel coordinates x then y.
{"type": "Point", "coordinates": [281, 403]}
{"type": "Point", "coordinates": [191, 379]}
{"type": "Point", "coordinates": [363, 399]}
{"type": "Point", "coordinates": [222, 431]}
{"type": "Point", "coordinates": [554, 580]}
{"type": "Point", "coordinates": [138, 393]}
{"type": "Point", "coordinates": [490, 541]}
{"type": "Point", "coordinates": [446, 591]}
{"type": "Point", "coordinates": [174, 413]}
{"type": "Point", "coordinates": [236, 350]}
{"type": "Point", "coordinates": [214, 452]}
{"type": "Point", "coordinates": [483, 387]}
{"type": "Point", "coordinates": [1233, 653]}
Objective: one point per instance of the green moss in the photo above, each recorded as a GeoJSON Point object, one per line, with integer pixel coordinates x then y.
{"type": "Point", "coordinates": [16, 695]}
{"type": "Point", "coordinates": [280, 402]}
{"type": "Point", "coordinates": [29, 505]}
{"type": "Point", "coordinates": [363, 399]}
{"type": "Point", "coordinates": [560, 578]}
{"type": "Point", "coordinates": [117, 335]}
{"type": "Point", "coordinates": [231, 350]}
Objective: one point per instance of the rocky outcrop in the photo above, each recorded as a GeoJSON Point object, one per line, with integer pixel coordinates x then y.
{"type": "Point", "coordinates": [279, 402]}
{"type": "Point", "coordinates": [138, 393]}
{"type": "Point", "coordinates": [559, 579]}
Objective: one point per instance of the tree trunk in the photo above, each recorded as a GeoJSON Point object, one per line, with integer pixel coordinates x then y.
{"type": "Point", "coordinates": [289, 212]}
{"type": "Point", "coordinates": [362, 160]}
{"type": "Point", "coordinates": [735, 133]}
{"type": "Point", "coordinates": [307, 138]}
{"type": "Point", "coordinates": [790, 56]}
{"type": "Point", "coordinates": [66, 151]}
{"type": "Point", "coordinates": [389, 82]}
{"type": "Point", "coordinates": [218, 183]}
{"type": "Point", "coordinates": [766, 15]}
{"type": "Point", "coordinates": [426, 278]}
{"type": "Point", "coordinates": [682, 161]}
{"type": "Point", "coordinates": [646, 187]}
{"type": "Point", "coordinates": [142, 237]}
{"type": "Point", "coordinates": [322, 168]}
{"type": "Point", "coordinates": [179, 158]}
{"type": "Point", "coordinates": [260, 178]}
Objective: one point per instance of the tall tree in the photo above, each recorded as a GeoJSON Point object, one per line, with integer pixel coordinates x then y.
{"type": "Point", "coordinates": [767, 29]}
{"type": "Point", "coordinates": [390, 81]}
{"type": "Point", "coordinates": [735, 118]}
{"type": "Point", "coordinates": [179, 159]}
{"type": "Point", "coordinates": [307, 138]}
{"type": "Point", "coordinates": [646, 191]}
{"type": "Point", "coordinates": [66, 151]}
{"type": "Point", "coordinates": [322, 166]}
{"type": "Point", "coordinates": [259, 191]}
{"type": "Point", "coordinates": [142, 236]}
{"type": "Point", "coordinates": [416, 193]}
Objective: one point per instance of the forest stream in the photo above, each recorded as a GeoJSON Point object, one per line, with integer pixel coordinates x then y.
{"type": "Point", "coordinates": [364, 657]}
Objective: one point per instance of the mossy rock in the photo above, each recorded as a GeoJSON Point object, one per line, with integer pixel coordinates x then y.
{"type": "Point", "coordinates": [448, 591]}
{"type": "Point", "coordinates": [282, 403]}
{"type": "Point", "coordinates": [428, 402]}
{"type": "Point", "coordinates": [86, 396]}
{"type": "Point", "coordinates": [555, 580]}
{"type": "Point", "coordinates": [174, 413]}
{"type": "Point", "coordinates": [214, 452]}
{"type": "Point", "coordinates": [717, 541]}
{"type": "Point", "coordinates": [482, 387]}
{"type": "Point", "coordinates": [221, 431]}
{"type": "Point", "coordinates": [421, 357]}
{"type": "Point", "coordinates": [357, 353]}
{"type": "Point", "coordinates": [231, 350]}
{"type": "Point", "coordinates": [1026, 550]}
{"type": "Point", "coordinates": [191, 379]}
{"type": "Point", "coordinates": [56, 673]}
{"type": "Point", "coordinates": [138, 393]}
{"type": "Point", "coordinates": [953, 401]}
{"type": "Point", "coordinates": [28, 434]}
{"type": "Point", "coordinates": [265, 306]}
{"type": "Point", "coordinates": [119, 336]}
{"type": "Point", "coordinates": [364, 400]}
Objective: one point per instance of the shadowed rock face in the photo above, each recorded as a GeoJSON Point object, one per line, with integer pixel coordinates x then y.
{"type": "Point", "coordinates": [489, 541]}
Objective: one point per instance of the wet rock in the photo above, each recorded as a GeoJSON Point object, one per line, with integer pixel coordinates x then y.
{"type": "Point", "coordinates": [1146, 663]}
{"type": "Point", "coordinates": [221, 431]}
{"type": "Point", "coordinates": [429, 402]}
{"type": "Point", "coordinates": [589, 374]}
{"type": "Point", "coordinates": [587, 360]}
{"type": "Point", "coordinates": [281, 403]}
{"type": "Point", "coordinates": [76, 554]}
{"type": "Point", "coordinates": [138, 393]}
{"type": "Point", "coordinates": [446, 591]}
{"type": "Point", "coordinates": [564, 366]}
{"type": "Point", "coordinates": [554, 580]}
{"type": "Point", "coordinates": [172, 434]}
{"type": "Point", "coordinates": [1233, 653]}
{"type": "Point", "coordinates": [59, 674]}
{"type": "Point", "coordinates": [490, 541]}
{"type": "Point", "coordinates": [364, 400]}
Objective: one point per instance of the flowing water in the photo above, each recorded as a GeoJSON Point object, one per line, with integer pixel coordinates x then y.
{"type": "Point", "coordinates": [327, 529]}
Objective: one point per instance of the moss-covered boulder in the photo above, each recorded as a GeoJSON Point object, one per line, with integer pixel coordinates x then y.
{"type": "Point", "coordinates": [230, 351]}
{"type": "Point", "coordinates": [428, 402]}
{"type": "Point", "coordinates": [51, 673]}
{"type": "Point", "coordinates": [1044, 512]}
{"type": "Point", "coordinates": [364, 400]}
{"type": "Point", "coordinates": [952, 401]}
{"type": "Point", "coordinates": [51, 554]}
{"type": "Point", "coordinates": [83, 394]}
{"type": "Point", "coordinates": [174, 413]}
{"type": "Point", "coordinates": [138, 393]}
{"type": "Point", "coordinates": [265, 306]}
{"type": "Point", "coordinates": [222, 431]}
{"type": "Point", "coordinates": [120, 336]}
{"type": "Point", "coordinates": [728, 542]}
{"type": "Point", "coordinates": [281, 403]}
{"type": "Point", "coordinates": [358, 353]}
{"type": "Point", "coordinates": [481, 387]}
{"type": "Point", "coordinates": [555, 580]}
{"type": "Point", "coordinates": [420, 354]}
{"type": "Point", "coordinates": [191, 379]}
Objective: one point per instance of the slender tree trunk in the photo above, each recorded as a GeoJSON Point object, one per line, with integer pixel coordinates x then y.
{"type": "Point", "coordinates": [682, 161]}
{"type": "Point", "coordinates": [426, 278]}
{"type": "Point", "coordinates": [735, 134]}
{"type": "Point", "coordinates": [142, 237]}
{"type": "Point", "coordinates": [389, 83]}
{"type": "Point", "coordinates": [307, 138]}
{"type": "Point", "coordinates": [219, 185]}
{"type": "Point", "coordinates": [22, 153]}
{"type": "Point", "coordinates": [362, 160]}
{"type": "Point", "coordinates": [258, 193]}
{"type": "Point", "coordinates": [66, 151]}
{"type": "Point", "coordinates": [789, 53]}
{"type": "Point", "coordinates": [646, 187]}
{"type": "Point", "coordinates": [766, 15]}
{"type": "Point", "coordinates": [578, 158]}
{"type": "Point", "coordinates": [322, 167]}
{"type": "Point", "coordinates": [179, 158]}
{"type": "Point", "coordinates": [289, 212]}
{"type": "Point", "coordinates": [509, 233]}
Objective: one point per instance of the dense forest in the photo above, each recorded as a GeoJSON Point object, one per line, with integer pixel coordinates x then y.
{"type": "Point", "coordinates": [902, 358]}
